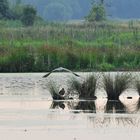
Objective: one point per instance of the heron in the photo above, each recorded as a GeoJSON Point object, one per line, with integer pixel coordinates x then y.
{"type": "Point", "coordinates": [60, 69]}
{"type": "Point", "coordinates": [62, 92]}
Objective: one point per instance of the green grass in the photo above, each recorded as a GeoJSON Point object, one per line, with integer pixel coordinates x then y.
{"type": "Point", "coordinates": [106, 46]}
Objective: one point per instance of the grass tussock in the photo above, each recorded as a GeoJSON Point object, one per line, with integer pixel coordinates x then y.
{"type": "Point", "coordinates": [115, 86]}
{"type": "Point", "coordinates": [138, 86]}
{"type": "Point", "coordinates": [86, 89]}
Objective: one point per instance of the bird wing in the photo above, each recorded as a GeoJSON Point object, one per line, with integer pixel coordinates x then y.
{"type": "Point", "coordinates": [46, 75]}
{"type": "Point", "coordinates": [60, 69]}
{"type": "Point", "coordinates": [67, 70]}
{"type": "Point", "coordinates": [76, 74]}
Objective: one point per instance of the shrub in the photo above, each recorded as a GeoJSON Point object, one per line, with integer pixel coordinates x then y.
{"type": "Point", "coordinates": [97, 13]}
{"type": "Point", "coordinates": [29, 15]}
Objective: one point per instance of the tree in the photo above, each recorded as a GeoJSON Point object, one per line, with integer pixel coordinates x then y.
{"type": "Point", "coordinates": [5, 12]}
{"type": "Point", "coordinates": [98, 12]}
{"type": "Point", "coordinates": [29, 15]}
{"type": "Point", "coordinates": [18, 9]}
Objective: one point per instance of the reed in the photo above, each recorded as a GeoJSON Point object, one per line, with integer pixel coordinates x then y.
{"type": "Point", "coordinates": [138, 86]}
{"type": "Point", "coordinates": [105, 46]}
{"type": "Point", "coordinates": [115, 87]}
{"type": "Point", "coordinates": [86, 89]}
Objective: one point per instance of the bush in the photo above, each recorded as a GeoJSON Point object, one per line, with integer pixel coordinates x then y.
{"type": "Point", "coordinates": [97, 13]}
{"type": "Point", "coordinates": [29, 15]}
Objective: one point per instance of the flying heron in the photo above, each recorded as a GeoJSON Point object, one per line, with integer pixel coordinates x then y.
{"type": "Point", "coordinates": [60, 69]}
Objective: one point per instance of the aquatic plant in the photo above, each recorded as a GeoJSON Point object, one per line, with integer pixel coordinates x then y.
{"type": "Point", "coordinates": [85, 89]}
{"type": "Point", "coordinates": [115, 86]}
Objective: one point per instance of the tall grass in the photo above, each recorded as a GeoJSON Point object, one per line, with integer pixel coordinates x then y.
{"type": "Point", "coordinates": [85, 89]}
{"type": "Point", "coordinates": [46, 58]}
{"type": "Point", "coordinates": [99, 46]}
{"type": "Point", "coordinates": [138, 86]}
{"type": "Point", "coordinates": [115, 87]}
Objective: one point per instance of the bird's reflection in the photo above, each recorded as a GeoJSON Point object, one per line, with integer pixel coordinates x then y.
{"type": "Point", "coordinates": [82, 106]}
{"type": "Point", "coordinates": [57, 105]}
{"type": "Point", "coordinates": [97, 111]}
{"type": "Point", "coordinates": [104, 106]}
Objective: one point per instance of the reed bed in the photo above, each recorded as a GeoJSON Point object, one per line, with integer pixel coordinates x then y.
{"type": "Point", "coordinates": [46, 58]}
{"type": "Point", "coordinates": [85, 89]}
{"type": "Point", "coordinates": [100, 46]}
{"type": "Point", "coordinates": [115, 86]}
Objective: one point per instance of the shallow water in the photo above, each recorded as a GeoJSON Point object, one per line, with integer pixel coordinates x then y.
{"type": "Point", "coordinates": [28, 112]}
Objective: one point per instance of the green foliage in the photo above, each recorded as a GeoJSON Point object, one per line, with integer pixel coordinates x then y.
{"type": "Point", "coordinates": [97, 13]}
{"type": "Point", "coordinates": [18, 9]}
{"type": "Point", "coordinates": [99, 46]}
{"type": "Point", "coordinates": [29, 15]}
{"type": "Point", "coordinates": [5, 12]}
{"type": "Point", "coordinates": [106, 67]}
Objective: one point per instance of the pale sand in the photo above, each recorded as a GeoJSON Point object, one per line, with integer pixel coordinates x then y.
{"type": "Point", "coordinates": [95, 134]}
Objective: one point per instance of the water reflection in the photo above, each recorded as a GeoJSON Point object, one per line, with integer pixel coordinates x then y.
{"type": "Point", "coordinates": [98, 106]}
{"type": "Point", "coordinates": [115, 107]}
{"type": "Point", "coordinates": [86, 106]}
{"type": "Point", "coordinates": [103, 113]}
{"type": "Point", "coordinates": [131, 105]}
{"type": "Point", "coordinates": [57, 105]}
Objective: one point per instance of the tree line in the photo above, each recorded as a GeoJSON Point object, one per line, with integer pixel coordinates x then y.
{"type": "Point", "coordinates": [77, 9]}
{"type": "Point", "coordinates": [25, 13]}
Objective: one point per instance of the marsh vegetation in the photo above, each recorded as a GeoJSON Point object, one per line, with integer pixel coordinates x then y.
{"type": "Point", "coordinates": [85, 88]}
{"type": "Point", "coordinates": [104, 46]}
{"type": "Point", "coordinates": [114, 86]}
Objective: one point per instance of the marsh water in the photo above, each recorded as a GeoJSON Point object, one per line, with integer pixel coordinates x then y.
{"type": "Point", "coordinates": [28, 111]}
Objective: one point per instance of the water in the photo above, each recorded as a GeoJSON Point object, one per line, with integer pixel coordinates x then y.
{"type": "Point", "coordinates": [27, 111]}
